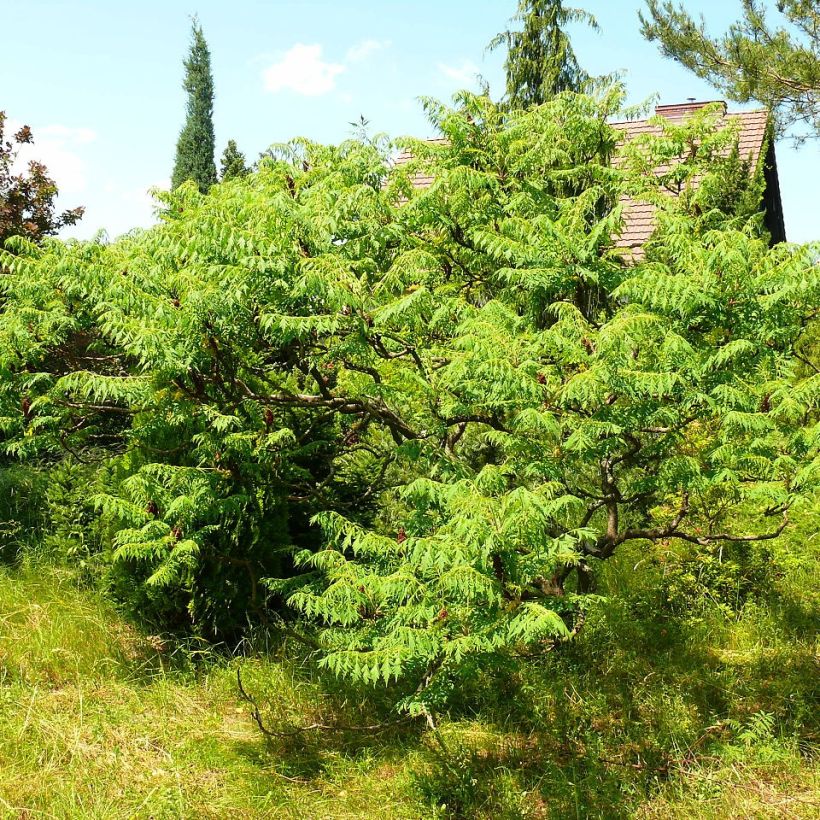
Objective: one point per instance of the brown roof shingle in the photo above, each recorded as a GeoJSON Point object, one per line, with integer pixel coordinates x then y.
{"type": "Point", "coordinates": [639, 217]}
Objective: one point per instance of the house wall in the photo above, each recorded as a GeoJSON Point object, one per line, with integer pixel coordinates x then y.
{"type": "Point", "coordinates": [772, 204]}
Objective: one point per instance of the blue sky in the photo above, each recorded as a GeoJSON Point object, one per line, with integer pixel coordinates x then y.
{"type": "Point", "coordinates": [100, 82]}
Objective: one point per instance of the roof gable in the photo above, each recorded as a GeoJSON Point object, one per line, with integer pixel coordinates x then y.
{"type": "Point", "coordinates": [639, 217]}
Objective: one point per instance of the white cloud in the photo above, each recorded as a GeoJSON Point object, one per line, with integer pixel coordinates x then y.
{"type": "Point", "coordinates": [56, 147]}
{"type": "Point", "coordinates": [66, 134]}
{"type": "Point", "coordinates": [361, 51]}
{"type": "Point", "coordinates": [464, 74]}
{"type": "Point", "coordinates": [302, 70]}
{"type": "Point", "coordinates": [119, 209]}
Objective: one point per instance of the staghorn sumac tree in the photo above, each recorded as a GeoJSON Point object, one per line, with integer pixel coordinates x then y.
{"type": "Point", "coordinates": [549, 402]}
{"type": "Point", "coordinates": [480, 399]}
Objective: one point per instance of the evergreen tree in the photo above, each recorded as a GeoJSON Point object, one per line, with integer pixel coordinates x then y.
{"type": "Point", "coordinates": [540, 60]}
{"type": "Point", "coordinates": [196, 145]}
{"type": "Point", "coordinates": [778, 67]}
{"type": "Point", "coordinates": [233, 162]}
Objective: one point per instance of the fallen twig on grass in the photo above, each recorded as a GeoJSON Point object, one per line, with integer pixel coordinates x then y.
{"type": "Point", "coordinates": [312, 727]}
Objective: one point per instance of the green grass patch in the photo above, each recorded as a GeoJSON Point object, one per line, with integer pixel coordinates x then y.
{"type": "Point", "coordinates": [640, 718]}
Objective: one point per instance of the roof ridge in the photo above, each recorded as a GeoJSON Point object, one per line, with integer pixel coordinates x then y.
{"type": "Point", "coordinates": [652, 116]}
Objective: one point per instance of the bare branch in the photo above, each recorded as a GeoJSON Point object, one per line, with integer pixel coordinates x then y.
{"type": "Point", "coordinates": [311, 727]}
{"type": "Point", "coordinates": [672, 531]}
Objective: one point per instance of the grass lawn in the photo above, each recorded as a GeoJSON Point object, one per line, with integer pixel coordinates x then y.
{"type": "Point", "coordinates": [100, 721]}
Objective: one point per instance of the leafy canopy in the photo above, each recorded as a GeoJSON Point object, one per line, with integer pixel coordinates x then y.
{"type": "Point", "coordinates": [470, 390]}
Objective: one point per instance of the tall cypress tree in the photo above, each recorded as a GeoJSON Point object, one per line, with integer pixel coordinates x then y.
{"type": "Point", "coordinates": [196, 144]}
{"type": "Point", "coordinates": [540, 60]}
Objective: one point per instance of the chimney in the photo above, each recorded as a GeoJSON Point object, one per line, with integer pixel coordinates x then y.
{"type": "Point", "coordinates": [677, 111]}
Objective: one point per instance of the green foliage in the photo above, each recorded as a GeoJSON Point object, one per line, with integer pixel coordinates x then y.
{"type": "Point", "coordinates": [562, 404]}
{"type": "Point", "coordinates": [233, 162]}
{"type": "Point", "coordinates": [156, 366]}
{"type": "Point", "coordinates": [649, 713]}
{"type": "Point", "coordinates": [473, 395]}
{"type": "Point", "coordinates": [642, 716]}
{"type": "Point", "coordinates": [196, 144]}
{"type": "Point", "coordinates": [474, 779]}
{"type": "Point", "coordinates": [703, 579]}
{"type": "Point", "coordinates": [555, 503]}
{"type": "Point", "coordinates": [540, 60]}
{"type": "Point", "coordinates": [72, 531]}
{"type": "Point", "coordinates": [778, 67]}
{"type": "Point", "coordinates": [669, 165]}
{"type": "Point", "coordinates": [21, 510]}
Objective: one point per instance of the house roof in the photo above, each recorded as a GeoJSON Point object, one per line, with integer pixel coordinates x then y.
{"type": "Point", "coordinates": [639, 217]}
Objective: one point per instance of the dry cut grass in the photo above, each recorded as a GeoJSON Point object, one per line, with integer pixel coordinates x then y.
{"type": "Point", "coordinates": [96, 723]}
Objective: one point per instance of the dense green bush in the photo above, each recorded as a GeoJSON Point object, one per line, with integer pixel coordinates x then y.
{"type": "Point", "coordinates": [474, 393]}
